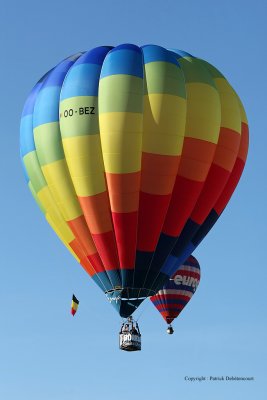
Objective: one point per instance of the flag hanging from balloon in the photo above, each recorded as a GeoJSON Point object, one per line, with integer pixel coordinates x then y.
{"type": "Point", "coordinates": [74, 305]}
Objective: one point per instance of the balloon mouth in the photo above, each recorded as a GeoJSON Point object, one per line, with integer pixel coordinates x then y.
{"type": "Point", "coordinates": [127, 300]}
{"type": "Point", "coordinates": [169, 320]}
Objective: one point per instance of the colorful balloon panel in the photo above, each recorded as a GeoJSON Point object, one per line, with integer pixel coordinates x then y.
{"type": "Point", "coordinates": [178, 290]}
{"type": "Point", "coordinates": [132, 153]}
{"type": "Point", "coordinates": [195, 232]}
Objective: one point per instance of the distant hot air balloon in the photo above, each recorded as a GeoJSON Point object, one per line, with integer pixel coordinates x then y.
{"type": "Point", "coordinates": [177, 291]}
{"type": "Point", "coordinates": [132, 153]}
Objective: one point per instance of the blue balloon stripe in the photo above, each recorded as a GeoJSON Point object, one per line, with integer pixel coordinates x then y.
{"type": "Point", "coordinates": [57, 75]}
{"type": "Point", "coordinates": [169, 310]}
{"type": "Point", "coordinates": [205, 227]}
{"type": "Point", "coordinates": [25, 173]}
{"type": "Point", "coordinates": [167, 301]}
{"type": "Point", "coordinates": [181, 53]}
{"type": "Point", "coordinates": [170, 265]}
{"type": "Point", "coordinates": [82, 80]}
{"type": "Point", "coordinates": [126, 46]}
{"type": "Point", "coordinates": [154, 53]}
{"type": "Point", "coordinates": [47, 106]}
{"type": "Point", "coordinates": [124, 61]}
{"type": "Point", "coordinates": [26, 135]}
{"type": "Point", "coordinates": [94, 56]}
{"type": "Point", "coordinates": [103, 278]}
{"type": "Point", "coordinates": [30, 102]}
{"type": "Point", "coordinates": [174, 286]}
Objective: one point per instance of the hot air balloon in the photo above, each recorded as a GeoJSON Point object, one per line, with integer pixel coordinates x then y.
{"type": "Point", "coordinates": [177, 291]}
{"type": "Point", "coordinates": [132, 153]}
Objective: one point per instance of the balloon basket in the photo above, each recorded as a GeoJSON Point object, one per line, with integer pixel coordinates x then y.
{"type": "Point", "coordinates": [170, 330]}
{"type": "Point", "coordinates": [130, 342]}
{"type": "Point", "coordinates": [130, 336]}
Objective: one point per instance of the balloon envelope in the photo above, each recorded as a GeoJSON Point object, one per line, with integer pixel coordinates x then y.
{"type": "Point", "coordinates": [132, 153]}
{"type": "Point", "coordinates": [178, 290]}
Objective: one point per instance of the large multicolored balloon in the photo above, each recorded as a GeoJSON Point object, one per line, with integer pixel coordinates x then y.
{"type": "Point", "coordinates": [132, 153]}
{"type": "Point", "coordinates": [178, 290]}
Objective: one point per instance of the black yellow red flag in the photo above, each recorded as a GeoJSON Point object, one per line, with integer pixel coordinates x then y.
{"type": "Point", "coordinates": [74, 305]}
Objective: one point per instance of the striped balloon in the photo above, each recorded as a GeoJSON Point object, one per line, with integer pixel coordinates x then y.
{"type": "Point", "coordinates": [178, 290]}
{"type": "Point", "coordinates": [132, 153]}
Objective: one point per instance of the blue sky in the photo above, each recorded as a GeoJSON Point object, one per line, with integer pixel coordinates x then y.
{"type": "Point", "coordinates": [44, 352]}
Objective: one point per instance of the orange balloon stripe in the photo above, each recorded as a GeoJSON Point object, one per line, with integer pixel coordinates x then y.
{"type": "Point", "coordinates": [124, 191]}
{"type": "Point", "coordinates": [96, 211]}
{"type": "Point", "coordinates": [157, 181]}
{"type": "Point", "coordinates": [196, 159]}
{"type": "Point", "coordinates": [76, 247]}
{"type": "Point", "coordinates": [227, 148]}
{"type": "Point", "coordinates": [90, 262]}
{"type": "Point", "coordinates": [85, 263]}
{"type": "Point", "coordinates": [236, 172]}
{"type": "Point", "coordinates": [224, 159]}
{"type": "Point", "coordinates": [197, 156]}
{"type": "Point", "coordinates": [84, 247]}
{"type": "Point", "coordinates": [229, 139]}
{"type": "Point", "coordinates": [98, 217]}
{"type": "Point", "coordinates": [80, 230]}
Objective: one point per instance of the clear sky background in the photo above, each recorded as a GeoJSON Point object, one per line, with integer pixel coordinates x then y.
{"type": "Point", "coordinates": [46, 354]}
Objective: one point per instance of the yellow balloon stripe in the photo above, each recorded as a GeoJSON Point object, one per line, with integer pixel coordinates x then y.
{"type": "Point", "coordinates": [55, 221]}
{"type": "Point", "coordinates": [242, 111]}
{"type": "Point", "coordinates": [230, 114]}
{"type": "Point", "coordinates": [36, 197]}
{"type": "Point", "coordinates": [54, 224]}
{"type": "Point", "coordinates": [121, 140]}
{"type": "Point", "coordinates": [243, 150]}
{"type": "Point", "coordinates": [203, 112]}
{"type": "Point", "coordinates": [53, 217]}
{"type": "Point", "coordinates": [47, 201]}
{"type": "Point", "coordinates": [164, 124]}
{"type": "Point", "coordinates": [60, 185]}
{"type": "Point", "coordinates": [43, 196]}
{"type": "Point", "coordinates": [85, 163]}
